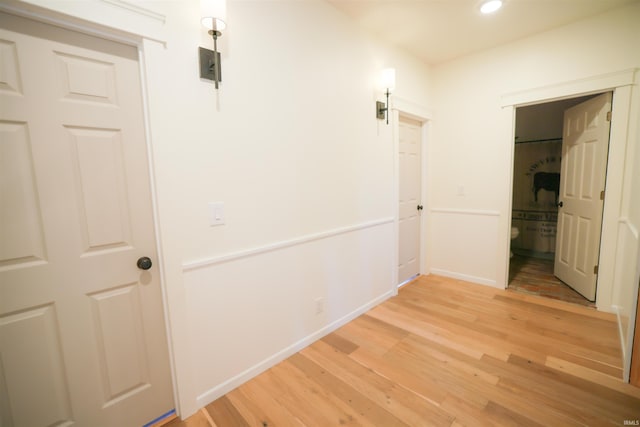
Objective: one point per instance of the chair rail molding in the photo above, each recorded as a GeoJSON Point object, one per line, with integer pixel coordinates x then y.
{"type": "Point", "coordinates": [219, 259]}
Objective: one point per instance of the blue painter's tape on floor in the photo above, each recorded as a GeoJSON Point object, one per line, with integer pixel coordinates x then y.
{"type": "Point", "coordinates": [161, 417]}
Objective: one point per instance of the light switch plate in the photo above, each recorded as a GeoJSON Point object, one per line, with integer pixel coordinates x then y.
{"type": "Point", "coordinates": [216, 213]}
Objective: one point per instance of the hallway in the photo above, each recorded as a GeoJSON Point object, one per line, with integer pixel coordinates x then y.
{"type": "Point", "coordinates": [445, 353]}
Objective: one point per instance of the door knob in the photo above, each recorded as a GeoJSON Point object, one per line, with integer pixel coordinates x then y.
{"type": "Point", "coordinates": [144, 263]}
{"type": "Point", "coordinates": [560, 204]}
{"type": "Point", "coordinates": [419, 207]}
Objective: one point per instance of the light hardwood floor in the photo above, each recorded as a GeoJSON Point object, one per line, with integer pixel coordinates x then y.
{"type": "Point", "coordinates": [445, 353]}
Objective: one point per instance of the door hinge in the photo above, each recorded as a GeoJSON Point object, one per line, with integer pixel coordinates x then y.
{"type": "Point", "coordinates": [595, 269]}
{"type": "Point", "coordinates": [602, 195]}
{"type": "Point", "coordinates": [608, 116]}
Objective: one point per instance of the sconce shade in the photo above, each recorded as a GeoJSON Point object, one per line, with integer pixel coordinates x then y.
{"type": "Point", "coordinates": [388, 78]}
{"type": "Point", "coordinates": [214, 14]}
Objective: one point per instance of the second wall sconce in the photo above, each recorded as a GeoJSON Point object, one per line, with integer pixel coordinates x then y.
{"type": "Point", "coordinates": [388, 82]}
{"type": "Point", "coordinates": [214, 14]}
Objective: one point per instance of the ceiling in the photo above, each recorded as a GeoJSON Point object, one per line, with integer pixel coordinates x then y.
{"type": "Point", "coordinates": [440, 30]}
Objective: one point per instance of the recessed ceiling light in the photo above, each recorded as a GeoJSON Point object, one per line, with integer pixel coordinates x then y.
{"type": "Point", "coordinates": [490, 6]}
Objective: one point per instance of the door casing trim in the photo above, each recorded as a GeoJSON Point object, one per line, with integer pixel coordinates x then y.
{"type": "Point", "coordinates": [620, 83]}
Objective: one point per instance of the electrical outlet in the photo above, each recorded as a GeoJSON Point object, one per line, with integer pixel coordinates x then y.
{"type": "Point", "coordinates": [319, 305]}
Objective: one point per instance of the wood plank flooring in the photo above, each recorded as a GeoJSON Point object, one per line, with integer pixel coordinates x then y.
{"type": "Point", "coordinates": [445, 353]}
{"type": "Point", "coordinates": [534, 276]}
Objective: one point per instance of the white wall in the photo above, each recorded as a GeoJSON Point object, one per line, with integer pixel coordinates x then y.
{"type": "Point", "coordinates": [291, 145]}
{"type": "Point", "coordinates": [472, 135]}
{"type": "Point", "coordinates": [473, 138]}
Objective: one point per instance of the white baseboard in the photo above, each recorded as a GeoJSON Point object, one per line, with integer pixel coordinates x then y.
{"type": "Point", "coordinates": [466, 277]}
{"type": "Point", "coordinates": [623, 341]}
{"type": "Point", "coordinates": [221, 389]}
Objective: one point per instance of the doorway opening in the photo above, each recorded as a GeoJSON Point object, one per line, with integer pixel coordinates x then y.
{"type": "Point", "coordinates": [555, 244]}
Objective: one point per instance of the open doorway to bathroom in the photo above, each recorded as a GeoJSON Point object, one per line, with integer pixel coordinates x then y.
{"type": "Point", "coordinates": [536, 189]}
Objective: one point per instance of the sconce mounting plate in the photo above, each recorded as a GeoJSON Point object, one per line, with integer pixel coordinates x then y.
{"type": "Point", "coordinates": [208, 61]}
{"type": "Point", "coordinates": [380, 110]}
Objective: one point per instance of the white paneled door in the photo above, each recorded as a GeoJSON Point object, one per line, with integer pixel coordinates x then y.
{"type": "Point", "coordinates": [585, 146]}
{"type": "Point", "coordinates": [82, 331]}
{"type": "Point", "coordinates": [410, 173]}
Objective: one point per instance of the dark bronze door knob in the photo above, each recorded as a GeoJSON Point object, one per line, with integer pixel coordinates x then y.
{"type": "Point", "coordinates": [144, 263]}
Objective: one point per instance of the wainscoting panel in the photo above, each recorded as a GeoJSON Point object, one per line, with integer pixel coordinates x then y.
{"type": "Point", "coordinates": [250, 310]}
{"type": "Point", "coordinates": [465, 244]}
{"type": "Point", "coordinates": [624, 289]}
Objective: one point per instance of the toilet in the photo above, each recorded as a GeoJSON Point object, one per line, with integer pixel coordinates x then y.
{"type": "Point", "coordinates": [514, 233]}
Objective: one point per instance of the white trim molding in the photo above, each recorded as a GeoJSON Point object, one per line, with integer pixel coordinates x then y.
{"type": "Point", "coordinates": [628, 355]}
{"type": "Point", "coordinates": [627, 223]}
{"type": "Point", "coordinates": [214, 260]}
{"type": "Point", "coordinates": [623, 340]}
{"type": "Point", "coordinates": [585, 86]}
{"type": "Point", "coordinates": [411, 109]}
{"type": "Point", "coordinates": [464, 211]}
{"type": "Point", "coordinates": [132, 7]}
{"type": "Point", "coordinates": [122, 21]}
{"type": "Point", "coordinates": [465, 277]}
{"type": "Point", "coordinates": [625, 306]}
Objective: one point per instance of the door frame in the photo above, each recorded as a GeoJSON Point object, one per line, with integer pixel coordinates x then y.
{"type": "Point", "coordinates": [572, 105]}
{"type": "Point", "coordinates": [402, 107]}
{"type": "Point", "coordinates": [64, 19]}
{"type": "Point", "coordinates": [620, 84]}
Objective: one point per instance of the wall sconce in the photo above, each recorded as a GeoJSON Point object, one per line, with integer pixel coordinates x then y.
{"type": "Point", "coordinates": [214, 14]}
{"type": "Point", "coordinates": [388, 82]}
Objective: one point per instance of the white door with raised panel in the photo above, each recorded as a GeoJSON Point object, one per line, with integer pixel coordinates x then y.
{"type": "Point", "coordinates": [410, 173]}
{"type": "Point", "coordinates": [82, 331]}
{"type": "Point", "coordinates": [585, 145]}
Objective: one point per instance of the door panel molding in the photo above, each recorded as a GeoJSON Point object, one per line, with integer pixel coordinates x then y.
{"type": "Point", "coordinates": [585, 148]}
{"type": "Point", "coordinates": [410, 197]}
{"type": "Point", "coordinates": [422, 114]}
{"type": "Point", "coordinates": [111, 122]}
{"type": "Point", "coordinates": [132, 28]}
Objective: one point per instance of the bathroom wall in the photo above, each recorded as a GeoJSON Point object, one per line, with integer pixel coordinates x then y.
{"type": "Point", "coordinates": [536, 179]}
